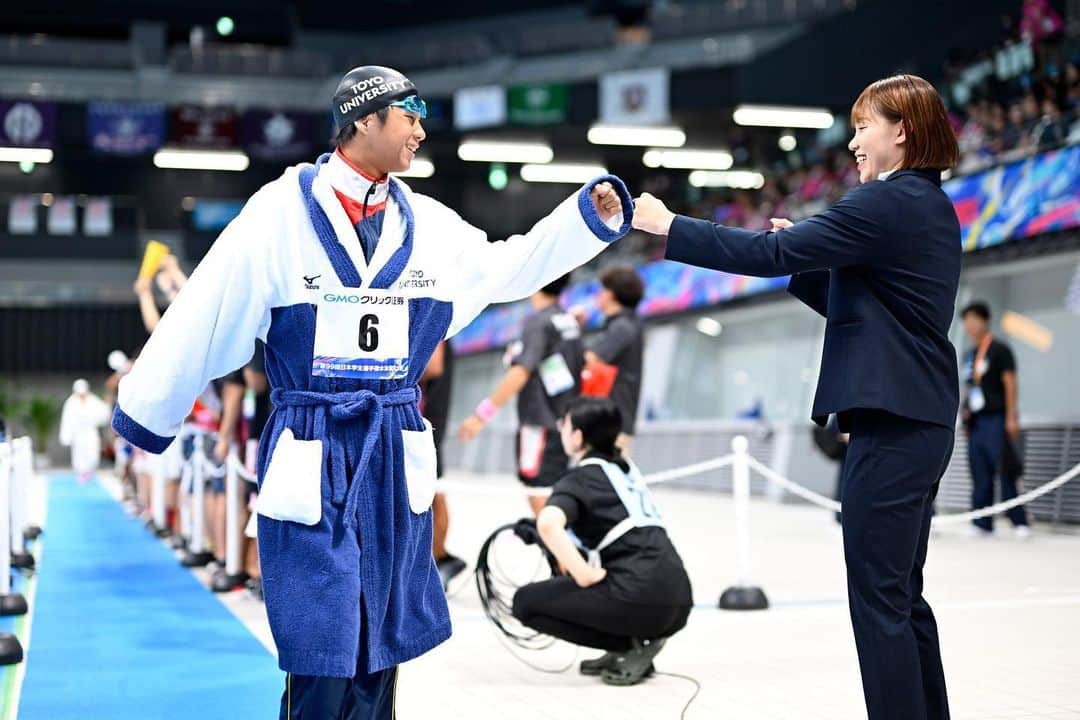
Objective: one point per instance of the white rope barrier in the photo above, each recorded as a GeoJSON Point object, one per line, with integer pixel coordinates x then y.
{"type": "Point", "coordinates": [1010, 504]}
{"type": "Point", "coordinates": [689, 470]}
{"type": "Point", "coordinates": [793, 487]}
{"type": "Point", "coordinates": [815, 498]}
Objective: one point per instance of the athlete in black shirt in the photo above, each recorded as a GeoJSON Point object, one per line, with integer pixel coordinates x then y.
{"type": "Point", "coordinates": [633, 592]}
{"type": "Point", "coordinates": [544, 376]}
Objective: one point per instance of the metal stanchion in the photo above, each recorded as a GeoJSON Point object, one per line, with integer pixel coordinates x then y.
{"type": "Point", "coordinates": [34, 499]}
{"type": "Point", "coordinates": [160, 523]}
{"type": "Point", "coordinates": [183, 507]}
{"type": "Point", "coordinates": [197, 555]}
{"type": "Point", "coordinates": [20, 477]}
{"type": "Point", "coordinates": [742, 596]}
{"type": "Point", "coordinates": [10, 603]}
{"type": "Point", "coordinates": [232, 576]}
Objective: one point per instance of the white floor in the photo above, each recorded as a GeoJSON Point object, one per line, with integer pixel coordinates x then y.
{"type": "Point", "coordinates": [1008, 612]}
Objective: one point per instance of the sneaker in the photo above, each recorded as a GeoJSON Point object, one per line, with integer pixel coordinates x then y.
{"type": "Point", "coordinates": [1022, 532]}
{"type": "Point", "coordinates": [632, 667]}
{"type": "Point", "coordinates": [449, 567]}
{"type": "Point", "coordinates": [254, 586]}
{"type": "Point", "coordinates": [974, 531]}
{"type": "Point", "coordinates": [607, 661]}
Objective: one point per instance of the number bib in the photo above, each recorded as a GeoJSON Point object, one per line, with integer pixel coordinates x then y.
{"type": "Point", "coordinates": [361, 334]}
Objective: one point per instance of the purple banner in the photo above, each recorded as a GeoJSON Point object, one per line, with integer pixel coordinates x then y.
{"type": "Point", "coordinates": [277, 135]}
{"type": "Point", "coordinates": [27, 123]}
{"type": "Point", "coordinates": [125, 128]}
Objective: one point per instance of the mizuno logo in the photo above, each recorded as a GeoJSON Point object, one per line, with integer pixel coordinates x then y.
{"type": "Point", "coordinates": [312, 279]}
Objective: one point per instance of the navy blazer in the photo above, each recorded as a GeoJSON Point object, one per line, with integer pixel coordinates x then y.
{"type": "Point", "coordinates": [882, 265]}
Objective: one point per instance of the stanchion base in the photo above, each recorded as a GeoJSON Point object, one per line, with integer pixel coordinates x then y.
{"type": "Point", "coordinates": [744, 598]}
{"type": "Point", "coordinates": [13, 604]}
{"type": "Point", "coordinates": [32, 532]}
{"type": "Point", "coordinates": [22, 560]}
{"type": "Point", "coordinates": [178, 542]}
{"type": "Point", "coordinates": [196, 559]}
{"type": "Point", "coordinates": [11, 651]}
{"type": "Point", "coordinates": [222, 581]}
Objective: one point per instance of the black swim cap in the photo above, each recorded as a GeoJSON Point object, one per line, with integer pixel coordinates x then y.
{"type": "Point", "coordinates": [366, 89]}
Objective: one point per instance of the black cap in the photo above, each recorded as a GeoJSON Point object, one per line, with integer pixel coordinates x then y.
{"type": "Point", "coordinates": [365, 89]}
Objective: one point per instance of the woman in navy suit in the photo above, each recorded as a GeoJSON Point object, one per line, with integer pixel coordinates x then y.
{"type": "Point", "coordinates": [882, 265]}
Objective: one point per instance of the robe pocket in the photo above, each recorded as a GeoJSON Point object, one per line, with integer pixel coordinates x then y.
{"type": "Point", "coordinates": [292, 486]}
{"type": "Point", "coordinates": [421, 467]}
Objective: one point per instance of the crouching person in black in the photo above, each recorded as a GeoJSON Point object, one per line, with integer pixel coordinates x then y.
{"type": "Point", "coordinates": [631, 592]}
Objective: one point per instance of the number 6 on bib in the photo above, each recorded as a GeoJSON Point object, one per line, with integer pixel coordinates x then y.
{"type": "Point", "coordinates": [362, 335]}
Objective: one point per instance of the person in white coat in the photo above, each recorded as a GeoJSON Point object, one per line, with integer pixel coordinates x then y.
{"type": "Point", "coordinates": [80, 428]}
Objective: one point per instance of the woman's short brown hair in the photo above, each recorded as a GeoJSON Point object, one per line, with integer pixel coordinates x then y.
{"type": "Point", "coordinates": [931, 142]}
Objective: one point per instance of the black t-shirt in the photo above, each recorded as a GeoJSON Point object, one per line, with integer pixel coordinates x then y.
{"type": "Point", "coordinates": [998, 360]}
{"type": "Point", "coordinates": [546, 334]}
{"type": "Point", "coordinates": [436, 393]}
{"type": "Point", "coordinates": [643, 566]}
{"type": "Point", "coordinates": [262, 399]}
{"type": "Point", "coordinates": [622, 343]}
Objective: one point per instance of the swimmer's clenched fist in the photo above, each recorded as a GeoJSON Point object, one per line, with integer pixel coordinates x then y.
{"type": "Point", "coordinates": [606, 201]}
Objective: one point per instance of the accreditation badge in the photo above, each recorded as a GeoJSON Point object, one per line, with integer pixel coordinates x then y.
{"type": "Point", "coordinates": [976, 399]}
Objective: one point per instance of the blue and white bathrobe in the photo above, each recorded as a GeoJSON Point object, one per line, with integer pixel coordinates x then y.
{"type": "Point", "coordinates": [359, 588]}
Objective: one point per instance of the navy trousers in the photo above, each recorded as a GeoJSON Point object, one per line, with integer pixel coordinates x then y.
{"type": "Point", "coordinates": [986, 442]}
{"type": "Point", "coordinates": [891, 475]}
{"type": "Point", "coordinates": [367, 696]}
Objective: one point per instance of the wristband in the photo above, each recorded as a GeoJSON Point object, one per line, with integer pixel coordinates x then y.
{"type": "Point", "coordinates": [486, 410]}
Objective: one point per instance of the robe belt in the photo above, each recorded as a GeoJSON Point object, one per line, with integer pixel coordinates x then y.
{"type": "Point", "coordinates": [345, 406]}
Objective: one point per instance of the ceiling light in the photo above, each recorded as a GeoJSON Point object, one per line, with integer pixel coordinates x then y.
{"type": "Point", "coordinates": [505, 151]}
{"type": "Point", "coordinates": [688, 159]}
{"type": "Point", "coordinates": [33, 155]}
{"type": "Point", "coordinates": [787, 142]}
{"type": "Point", "coordinates": [636, 135]}
{"type": "Point", "coordinates": [561, 173]}
{"type": "Point", "coordinates": [232, 160]}
{"type": "Point", "coordinates": [739, 179]}
{"type": "Point", "coordinates": [420, 168]}
{"type": "Point", "coordinates": [785, 117]}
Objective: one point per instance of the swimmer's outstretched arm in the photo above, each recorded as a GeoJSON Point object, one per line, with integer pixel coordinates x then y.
{"type": "Point", "coordinates": [486, 272]}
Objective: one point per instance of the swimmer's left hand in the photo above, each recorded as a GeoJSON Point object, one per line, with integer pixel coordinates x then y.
{"type": "Point", "coordinates": [606, 201]}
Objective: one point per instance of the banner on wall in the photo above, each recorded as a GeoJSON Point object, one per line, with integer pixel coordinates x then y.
{"type": "Point", "coordinates": [204, 127]}
{"type": "Point", "coordinates": [27, 123]}
{"type": "Point", "coordinates": [125, 128]}
{"type": "Point", "coordinates": [1021, 199]}
{"type": "Point", "coordinates": [669, 288]}
{"type": "Point", "coordinates": [98, 217]}
{"type": "Point", "coordinates": [61, 219]}
{"type": "Point", "coordinates": [539, 104]}
{"type": "Point", "coordinates": [479, 107]}
{"type": "Point", "coordinates": [22, 214]}
{"type": "Point", "coordinates": [214, 215]}
{"type": "Point", "coordinates": [277, 135]}
{"type": "Point", "coordinates": [635, 97]}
